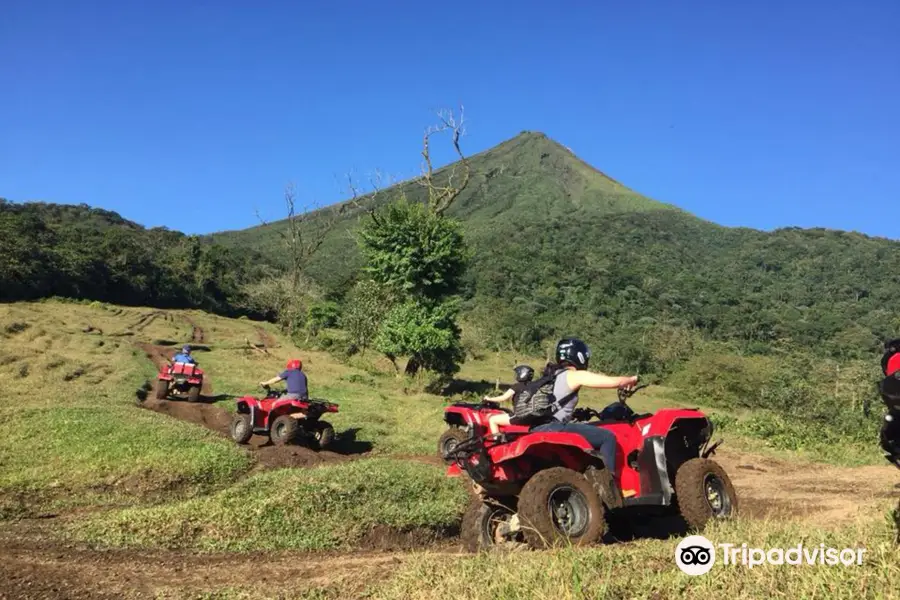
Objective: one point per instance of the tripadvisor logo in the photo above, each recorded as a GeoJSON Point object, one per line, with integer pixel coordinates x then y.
{"type": "Point", "coordinates": [696, 555]}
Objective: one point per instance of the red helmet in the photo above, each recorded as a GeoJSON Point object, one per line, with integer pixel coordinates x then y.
{"type": "Point", "coordinates": [294, 363]}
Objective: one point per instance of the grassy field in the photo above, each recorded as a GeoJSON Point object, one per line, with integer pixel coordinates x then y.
{"type": "Point", "coordinates": [74, 441]}
{"type": "Point", "coordinates": [69, 431]}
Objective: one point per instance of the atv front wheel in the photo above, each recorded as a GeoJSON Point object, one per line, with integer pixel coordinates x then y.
{"type": "Point", "coordinates": [241, 428]}
{"type": "Point", "coordinates": [284, 430]}
{"type": "Point", "coordinates": [193, 393]}
{"type": "Point", "coordinates": [559, 506]}
{"type": "Point", "coordinates": [449, 440]}
{"type": "Point", "coordinates": [322, 433]}
{"type": "Point", "coordinates": [487, 524]}
{"type": "Point", "coordinates": [704, 491]}
{"type": "Point", "coordinates": [162, 389]}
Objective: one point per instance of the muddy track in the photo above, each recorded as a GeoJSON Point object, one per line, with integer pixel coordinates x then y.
{"type": "Point", "coordinates": [821, 494]}
{"type": "Point", "coordinates": [35, 570]}
{"type": "Point", "coordinates": [198, 336]}
{"type": "Point", "coordinates": [145, 321]}
{"type": "Point", "coordinates": [217, 419]}
{"type": "Point", "coordinates": [268, 456]}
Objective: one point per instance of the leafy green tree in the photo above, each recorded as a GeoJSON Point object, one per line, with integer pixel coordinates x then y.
{"type": "Point", "coordinates": [412, 251]}
{"type": "Point", "coordinates": [424, 331]}
{"type": "Point", "coordinates": [419, 256]}
{"type": "Point", "coordinates": [364, 309]}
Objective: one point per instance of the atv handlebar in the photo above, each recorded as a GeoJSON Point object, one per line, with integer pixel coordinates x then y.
{"type": "Point", "coordinates": [584, 413]}
{"type": "Point", "coordinates": [624, 393]}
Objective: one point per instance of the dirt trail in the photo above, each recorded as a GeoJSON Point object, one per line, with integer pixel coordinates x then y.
{"type": "Point", "coordinates": [198, 336]}
{"type": "Point", "coordinates": [821, 494]}
{"type": "Point", "coordinates": [36, 570]}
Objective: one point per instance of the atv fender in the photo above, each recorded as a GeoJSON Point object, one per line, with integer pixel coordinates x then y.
{"type": "Point", "coordinates": [540, 442]}
{"type": "Point", "coordinates": [247, 405]}
{"type": "Point", "coordinates": [285, 406]}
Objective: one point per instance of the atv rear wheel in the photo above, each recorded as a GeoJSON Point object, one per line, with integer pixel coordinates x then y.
{"type": "Point", "coordinates": [241, 428]}
{"type": "Point", "coordinates": [162, 389]}
{"type": "Point", "coordinates": [284, 430]}
{"type": "Point", "coordinates": [322, 433]}
{"type": "Point", "coordinates": [449, 440]}
{"type": "Point", "coordinates": [559, 506]}
{"type": "Point", "coordinates": [704, 491]}
{"type": "Point", "coordinates": [193, 394]}
{"type": "Point", "coordinates": [484, 524]}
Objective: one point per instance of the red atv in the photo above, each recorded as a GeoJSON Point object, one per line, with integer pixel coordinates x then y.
{"type": "Point", "coordinates": [546, 489]}
{"type": "Point", "coordinates": [179, 379]}
{"type": "Point", "coordinates": [283, 420]}
{"type": "Point", "coordinates": [463, 419]}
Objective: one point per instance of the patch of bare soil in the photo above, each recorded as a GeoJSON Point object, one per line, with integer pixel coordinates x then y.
{"type": "Point", "coordinates": [158, 355]}
{"type": "Point", "coordinates": [198, 336]}
{"type": "Point", "coordinates": [37, 570]}
{"type": "Point", "coordinates": [770, 487]}
{"type": "Point", "coordinates": [210, 416]}
{"type": "Point", "coordinates": [268, 455]}
{"type": "Point", "coordinates": [265, 338]}
{"type": "Point", "coordinates": [280, 457]}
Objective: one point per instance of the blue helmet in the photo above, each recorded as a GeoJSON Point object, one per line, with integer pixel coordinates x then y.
{"type": "Point", "coordinates": [186, 349]}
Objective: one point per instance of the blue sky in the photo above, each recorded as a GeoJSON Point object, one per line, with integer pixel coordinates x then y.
{"type": "Point", "coordinates": [761, 114]}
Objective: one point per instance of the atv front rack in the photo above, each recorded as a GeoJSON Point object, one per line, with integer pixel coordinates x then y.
{"type": "Point", "coordinates": [472, 457]}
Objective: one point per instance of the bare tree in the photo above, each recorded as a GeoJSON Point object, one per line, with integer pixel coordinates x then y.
{"type": "Point", "coordinates": [440, 197]}
{"type": "Point", "coordinates": [304, 233]}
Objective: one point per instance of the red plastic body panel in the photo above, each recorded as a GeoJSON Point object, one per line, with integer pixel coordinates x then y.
{"type": "Point", "coordinates": [193, 373]}
{"type": "Point", "coordinates": [266, 410]}
{"type": "Point", "coordinates": [512, 461]}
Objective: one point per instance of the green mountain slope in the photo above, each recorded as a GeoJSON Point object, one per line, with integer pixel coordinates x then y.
{"type": "Point", "coordinates": [526, 180]}
{"type": "Point", "coordinates": [559, 247]}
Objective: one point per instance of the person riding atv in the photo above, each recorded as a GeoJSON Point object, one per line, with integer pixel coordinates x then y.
{"type": "Point", "coordinates": [295, 378]}
{"type": "Point", "coordinates": [523, 374]}
{"type": "Point", "coordinates": [184, 356]}
{"type": "Point", "coordinates": [570, 374]}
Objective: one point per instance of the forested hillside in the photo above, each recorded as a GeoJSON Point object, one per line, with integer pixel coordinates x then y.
{"type": "Point", "coordinates": [559, 247]}
{"type": "Point", "coordinates": [88, 253]}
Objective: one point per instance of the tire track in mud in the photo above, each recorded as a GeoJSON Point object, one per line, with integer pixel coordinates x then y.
{"type": "Point", "coordinates": [33, 569]}
{"type": "Point", "coordinates": [198, 336]}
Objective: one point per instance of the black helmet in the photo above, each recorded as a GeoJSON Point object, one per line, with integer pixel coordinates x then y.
{"type": "Point", "coordinates": [574, 352]}
{"type": "Point", "coordinates": [524, 373]}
